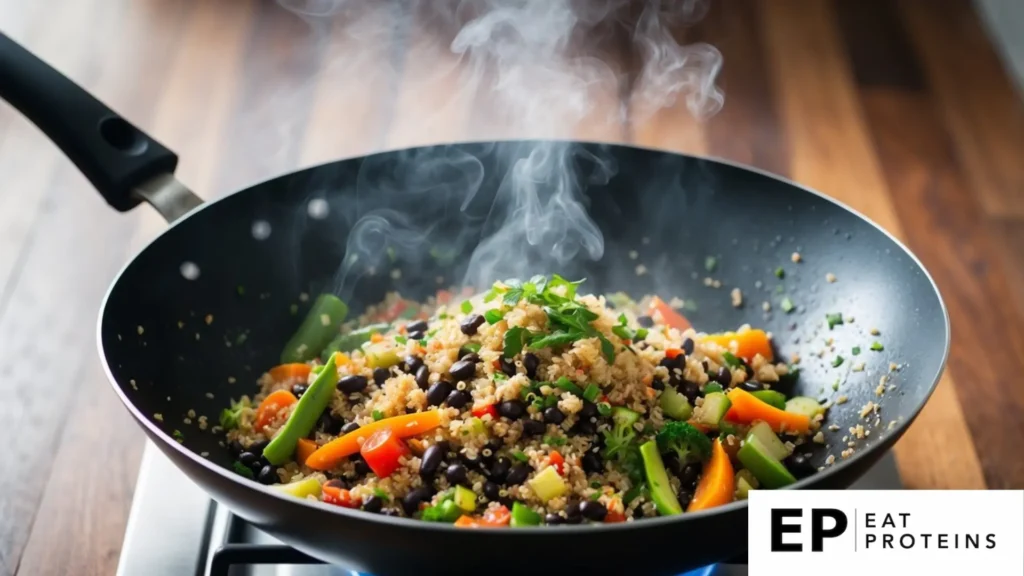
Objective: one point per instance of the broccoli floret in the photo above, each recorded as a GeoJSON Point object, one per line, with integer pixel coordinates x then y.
{"type": "Point", "coordinates": [682, 439]}
{"type": "Point", "coordinates": [621, 447]}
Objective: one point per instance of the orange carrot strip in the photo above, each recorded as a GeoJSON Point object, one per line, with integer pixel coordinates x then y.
{"type": "Point", "coordinates": [747, 408]}
{"type": "Point", "coordinates": [271, 405]}
{"type": "Point", "coordinates": [407, 425]}
{"type": "Point", "coordinates": [669, 316]}
{"type": "Point", "coordinates": [289, 372]}
{"type": "Point", "coordinates": [748, 344]}
{"type": "Point", "coordinates": [672, 353]}
{"type": "Point", "coordinates": [304, 449]}
{"type": "Point", "coordinates": [717, 483]}
{"type": "Point", "coordinates": [465, 521]}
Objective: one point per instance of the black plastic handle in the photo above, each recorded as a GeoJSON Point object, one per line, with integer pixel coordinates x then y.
{"type": "Point", "coordinates": [112, 153]}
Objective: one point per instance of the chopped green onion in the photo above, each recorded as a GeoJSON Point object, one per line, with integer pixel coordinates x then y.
{"type": "Point", "coordinates": [242, 469]}
{"type": "Point", "coordinates": [178, 435]}
{"type": "Point", "coordinates": [787, 305]}
{"type": "Point", "coordinates": [519, 455]}
{"type": "Point", "coordinates": [712, 387]}
{"type": "Point", "coordinates": [856, 350]}
{"type": "Point", "coordinates": [595, 496]}
{"type": "Point", "coordinates": [876, 346]}
{"type": "Point", "coordinates": [604, 408]}
{"type": "Point", "coordinates": [378, 415]}
{"type": "Point", "coordinates": [591, 392]}
{"type": "Point", "coordinates": [493, 316]}
{"type": "Point", "coordinates": [401, 339]}
{"type": "Point", "coordinates": [565, 384]}
{"type": "Point", "coordinates": [550, 401]}
{"type": "Point", "coordinates": [837, 361]}
{"type": "Point", "coordinates": [514, 340]}
{"type": "Point", "coordinates": [554, 440]}
{"type": "Point", "coordinates": [595, 485]}
{"type": "Point", "coordinates": [538, 404]}
{"type": "Point", "coordinates": [467, 306]}
{"type": "Point", "coordinates": [622, 319]}
{"type": "Point", "coordinates": [731, 360]}
{"type": "Point", "coordinates": [780, 273]}
{"type": "Point", "coordinates": [641, 333]}
{"type": "Point", "coordinates": [380, 493]}
{"type": "Point", "coordinates": [710, 263]}
{"type": "Point", "coordinates": [472, 346]}
{"type": "Point", "coordinates": [834, 319]}
{"type": "Point", "coordinates": [622, 332]}
{"type": "Point", "coordinates": [500, 376]}
{"type": "Point", "coordinates": [443, 316]}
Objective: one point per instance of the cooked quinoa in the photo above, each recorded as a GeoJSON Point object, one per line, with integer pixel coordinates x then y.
{"type": "Point", "coordinates": [531, 402]}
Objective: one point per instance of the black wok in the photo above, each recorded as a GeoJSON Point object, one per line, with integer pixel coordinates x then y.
{"type": "Point", "coordinates": [246, 259]}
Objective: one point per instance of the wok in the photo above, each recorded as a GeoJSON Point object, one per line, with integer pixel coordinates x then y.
{"type": "Point", "coordinates": [199, 313]}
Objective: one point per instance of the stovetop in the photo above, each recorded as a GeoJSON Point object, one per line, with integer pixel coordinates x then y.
{"type": "Point", "coordinates": [176, 529]}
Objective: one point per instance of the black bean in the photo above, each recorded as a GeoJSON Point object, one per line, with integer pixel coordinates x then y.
{"type": "Point", "coordinates": [553, 520]}
{"type": "Point", "coordinates": [413, 363]}
{"type": "Point", "coordinates": [574, 519]}
{"type": "Point", "coordinates": [423, 377]}
{"type": "Point", "coordinates": [512, 409]}
{"type": "Point", "coordinates": [456, 474]}
{"type": "Point", "coordinates": [519, 473]}
{"type": "Point", "coordinates": [500, 469]}
{"type": "Point", "coordinates": [373, 504]}
{"type": "Point", "coordinates": [689, 476]}
{"type": "Point", "coordinates": [645, 321]}
{"type": "Point", "coordinates": [706, 366]}
{"type": "Point", "coordinates": [533, 427]}
{"type": "Point", "coordinates": [470, 357]}
{"type": "Point", "coordinates": [492, 491]}
{"type": "Point", "coordinates": [800, 465]}
{"type": "Point", "coordinates": [471, 323]}
{"type": "Point", "coordinates": [747, 369]}
{"type": "Point", "coordinates": [751, 386]}
{"type": "Point", "coordinates": [462, 370]}
{"type": "Point", "coordinates": [360, 465]}
{"type": "Point", "coordinates": [508, 367]}
{"type": "Point", "coordinates": [431, 461]}
{"type": "Point", "coordinates": [299, 389]}
{"type": "Point", "coordinates": [490, 452]}
{"type": "Point", "coordinates": [417, 326]}
{"type": "Point", "coordinates": [353, 383]}
{"type": "Point", "coordinates": [588, 411]}
{"type": "Point", "coordinates": [458, 399]}
{"type": "Point", "coordinates": [691, 390]}
{"type": "Point", "coordinates": [593, 510]}
{"type": "Point", "coordinates": [688, 346]}
{"type": "Point", "coordinates": [390, 512]}
{"type": "Point", "coordinates": [638, 512]}
{"type": "Point", "coordinates": [380, 376]}
{"type": "Point", "coordinates": [657, 384]}
{"type": "Point", "coordinates": [669, 363]}
{"type": "Point", "coordinates": [584, 428]}
{"type": "Point", "coordinates": [329, 424]}
{"type": "Point", "coordinates": [411, 501]}
{"type": "Point", "coordinates": [471, 462]}
{"type": "Point", "coordinates": [531, 362]}
{"type": "Point", "coordinates": [248, 458]}
{"type": "Point", "coordinates": [258, 447]}
{"type": "Point", "coordinates": [553, 415]}
{"type": "Point", "coordinates": [437, 393]}
{"type": "Point", "coordinates": [416, 335]}
{"type": "Point", "coordinates": [350, 427]}
{"type": "Point", "coordinates": [592, 463]}
{"type": "Point", "coordinates": [573, 514]}
{"type": "Point", "coordinates": [684, 498]}
{"type": "Point", "coordinates": [268, 475]}
{"type": "Point", "coordinates": [723, 377]}
{"type": "Point", "coordinates": [236, 447]}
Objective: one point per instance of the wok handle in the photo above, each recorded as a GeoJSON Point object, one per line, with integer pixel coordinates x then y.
{"type": "Point", "coordinates": [113, 154]}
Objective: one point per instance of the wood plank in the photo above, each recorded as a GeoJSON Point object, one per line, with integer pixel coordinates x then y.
{"type": "Point", "coordinates": [878, 46]}
{"type": "Point", "coordinates": [950, 235]}
{"type": "Point", "coordinates": [1011, 242]}
{"type": "Point", "coordinates": [832, 151]}
{"type": "Point", "coordinates": [52, 307]}
{"type": "Point", "coordinates": [977, 101]}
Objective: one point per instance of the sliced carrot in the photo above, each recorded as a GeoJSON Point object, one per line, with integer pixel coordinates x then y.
{"type": "Point", "coordinates": [465, 521]}
{"type": "Point", "coordinates": [717, 482]}
{"type": "Point", "coordinates": [672, 353]}
{"type": "Point", "coordinates": [335, 494]}
{"type": "Point", "coordinates": [748, 344]}
{"type": "Point", "coordinates": [747, 408]}
{"type": "Point", "coordinates": [495, 517]}
{"type": "Point", "coordinates": [648, 379]}
{"type": "Point", "coordinates": [669, 316]}
{"type": "Point", "coordinates": [304, 449]}
{"type": "Point", "coordinates": [271, 405]}
{"type": "Point", "coordinates": [289, 372]}
{"type": "Point", "coordinates": [407, 425]}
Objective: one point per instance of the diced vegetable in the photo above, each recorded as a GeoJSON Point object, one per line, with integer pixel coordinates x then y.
{"type": "Point", "coordinates": [334, 494]}
{"type": "Point", "coordinates": [657, 481]}
{"type": "Point", "coordinates": [492, 518]}
{"type": "Point", "coordinates": [833, 319]}
{"type": "Point", "coordinates": [548, 484]}
{"type": "Point", "coordinates": [381, 355]}
{"type": "Point", "coordinates": [712, 387]}
{"type": "Point", "coordinates": [242, 470]}
{"type": "Point", "coordinates": [304, 416]}
{"type": "Point", "coordinates": [292, 372]}
{"type": "Point", "coordinates": [674, 404]}
{"type": "Point", "coordinates": [464, 498]}
{"type": "Point", "coordinates": [591, 392]}
{"type": "Point", "coordinates": [624, 416]}
{"type": "Point", "coordinates": [523, 515]}
{"type": "Point", "coordinates": [771, 397]}
{"type": "Point", "coordinates": [270, 406]}
{"type": "Point", "coordinates": [748, 344]}
{"type": "Point", "coordinates": [229, 417]}
{"type": "Point", "coordinates": [686, 442]}
{"type": "Point", "coordinates": [353, 340]}
{"type": "Point", "coordinates": [713, 409]}
{"type": "Point", "coordinates": [405, 426]}
{"type": "Point", "coordinates": [745, 482]}
{"type": "Point", "coordinates": [317, 330]}
{"type": "Point", "coordinates": [564, 383]}
{"type": "Point", "coordinates": [747, 408]}
{"type": "Point", "coordinates": [558, 461]}
{"type": "Point", "coordinates": [768, 471]}
{"type": "Point", "coordinates": [763, 432]}
{"type": "Point", "coordinates": [787, 305]}
{"type": "Point", "coordinates": [717, 483]}
{"type": "Point", "coordinates": [837, 361]}
{"type": "Point", "coordinates": [481, 411]}
{"type": "Point", "coordinates": [876, 346]}
{"type": "Point", "coordinates": [803, 405]}
{"type": "Point", "coordinates": [304, 448]}
{"type": "Point", "coordinates": [301, 488]}
{"type": "Point", "coordinates": [669, 316]}
{"type": "Point", "coordinates": [382, 452]}
{"type": "Point", "coordinates": [445, 511]}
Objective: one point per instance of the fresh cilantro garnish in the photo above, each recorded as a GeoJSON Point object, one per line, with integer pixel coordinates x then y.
{"type": "Point", "coordinates": [494, 316]}
{"type": "Point", "coordinates": [515, 338]}
{"type": "Point", "coordinates": [834, 319]}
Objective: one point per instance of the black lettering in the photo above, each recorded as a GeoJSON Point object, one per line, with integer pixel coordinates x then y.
{"type": "Point", "coordinates": [888, 522]}
{"type": "Point", "coordinates": [944, 541]}
{"type": "Point", "coordinates": [903, 541]}
{"type": "Point", "coordinates": [904, 515]}
{"type": "Point", "coordinates": [925, 537]}
{"type": "Point", "coordinates": [818, 531]}
{"type": "Point", "coordinates": [886, 540]}
{"type": "Point", "coordinates": [991, 538]}
{"type": "Point", "coordinates": [869, 520]}
{"type": "Point", "coordinates": [973, 540]}
{"type": "Point", "coordinates": [779, 528]}
{"type": "Point", "coordinates": [869, 539]}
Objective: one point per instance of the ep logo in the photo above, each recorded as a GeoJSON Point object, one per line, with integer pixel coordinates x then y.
{"type": "Point", "coordinates": [787, 528]}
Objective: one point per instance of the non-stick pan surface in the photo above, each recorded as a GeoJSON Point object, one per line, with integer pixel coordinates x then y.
{"type": "Point", "coordinates": [194, 319]}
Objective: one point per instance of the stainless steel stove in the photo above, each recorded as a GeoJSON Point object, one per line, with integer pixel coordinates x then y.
{"type": "Point", "coordinates": [175, 529]}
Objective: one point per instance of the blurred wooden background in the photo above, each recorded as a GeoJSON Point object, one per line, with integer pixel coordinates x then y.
{"type": "Point", "coordinates": [900, 109]}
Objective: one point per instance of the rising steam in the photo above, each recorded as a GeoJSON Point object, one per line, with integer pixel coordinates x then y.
{"type": "Point", "coordinates": [538, 62]}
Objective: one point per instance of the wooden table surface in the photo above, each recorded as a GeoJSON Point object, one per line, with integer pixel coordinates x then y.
{"type": "Point", "coordinates": [899, 109]}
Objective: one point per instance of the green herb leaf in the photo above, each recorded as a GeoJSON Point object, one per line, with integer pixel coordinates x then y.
{"type": "Point", "coordinates": [401, 339]}
{"type": "Point", "coordinates": [550, 401]}
{"type": "Point", "coordinates": [491, 294]}
{"type": "Point", "coordinates": [607, 348]}
{"type": "Point", "coordinates": [512, 297]}
{"type": "Point", "coordinates": [466, 307]}
{"type": "Point", "coordinates": [500, 376]}
{"type": "Point", "coordinates": [731, 360]}
{"type": "Point", "coordinates": [595, 496]}
{"type": "Point", "coordinates": [472, 346]}
{"type": "Point", "coordinates": [640, 333]}
{"type": "Point", "coordinates": [595, 485]}
{"type": "Point", "coordinates": [710, 263]}
{"type": "Point", "coordinates": [570, 287]}
{"type": "Point", "coordinates": [494, 316]}
{"type": "Point", "coordinates": [780, 273]}
{"type": "Point", "coordinates": [515, 337]}
{"type": "Point", "coordinates": [622, 319]}
{"type": "Point", "coordinates": [377, 415]}
{"type": "Point", "coordinates": [382, 494]}
{"type": "Point", "coordinates": [242, 469]}
{"type": "Point", "coordinates": [876, 346]}
{"type": "Point", "coordinates": [787, 305]}
{"type": "Point", "coordinates": [178, 435]}
{"type": "Point", "coordinates": [519, 455]}
{"type": "Point", "coordinates": [834, 319]}
{"type": "Point", "coordinates": [837, 361]}
{"type": "Point", "coordinates": [856, 350]}
{"type": "Point", "coordinates": [538, 404]}
{"type": "Point", "coordinates": [591, 392]}
{"type": "Point", "coordinates": [555, 339]}
{"type": "Point", "coordinates": [622, 332]}
{"type": "Point", "coordinates": [604, 408]}
{"type": "Point", "coordinates": [554, 440]}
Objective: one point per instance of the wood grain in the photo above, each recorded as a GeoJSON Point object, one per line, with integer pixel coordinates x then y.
{"type": "Point", "coordinates": [900, 110]}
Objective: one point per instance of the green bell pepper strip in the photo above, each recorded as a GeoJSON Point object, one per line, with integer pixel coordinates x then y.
{"type": "Point", "coordinates": [353, 340]}
{"type": "Point", "coordinates": [304, 416]}
{"type": "Point", "coordinates": [317, 330]}
{"type": "Point", "coordinates": [523, 515]}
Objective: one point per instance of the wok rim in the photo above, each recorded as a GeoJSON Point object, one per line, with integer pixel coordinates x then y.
{"type": "Point", "coordinates": [312, 507]}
